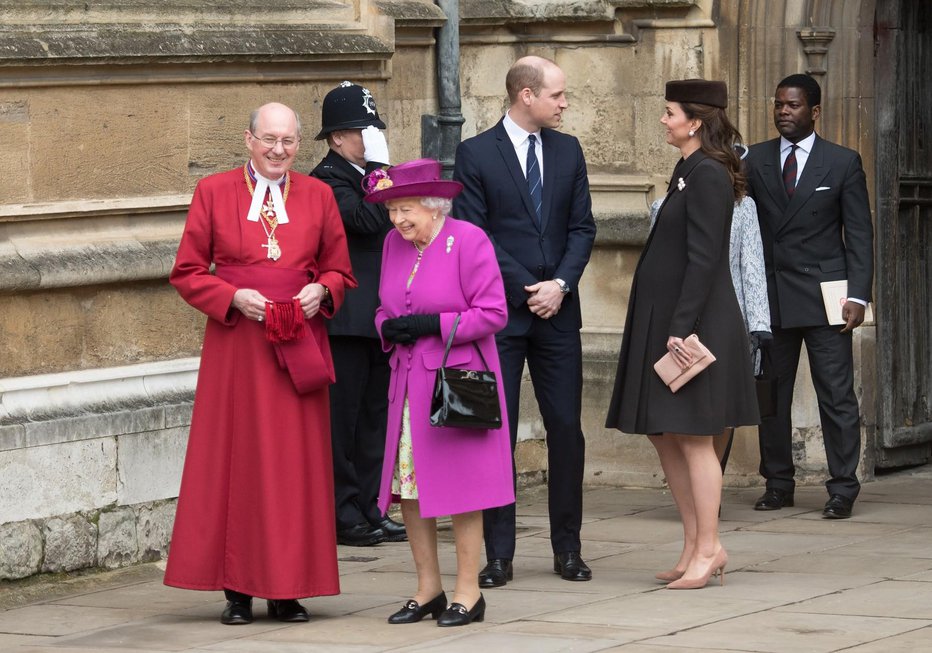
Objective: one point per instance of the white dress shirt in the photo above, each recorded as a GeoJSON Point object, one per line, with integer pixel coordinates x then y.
{"type": "Point", "coordinates": [519, 139]}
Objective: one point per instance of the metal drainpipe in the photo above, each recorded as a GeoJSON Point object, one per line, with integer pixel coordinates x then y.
{"type": "Point", "coordinates": [447, 126]}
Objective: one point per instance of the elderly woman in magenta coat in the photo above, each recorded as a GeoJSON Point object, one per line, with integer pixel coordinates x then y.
{"type": "Point", "coordinates": [435, 268]}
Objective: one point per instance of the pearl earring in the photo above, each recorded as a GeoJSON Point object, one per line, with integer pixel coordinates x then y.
{"type": "Point", "coordinates": [691, 133]}
{"type": "Point", "coordinates": [435, 216]}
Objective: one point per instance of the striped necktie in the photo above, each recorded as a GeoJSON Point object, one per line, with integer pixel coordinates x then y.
{"type": "Point", "coordinates": [533, 175]}
{"type": "Point", "coordinates": [789, 172]}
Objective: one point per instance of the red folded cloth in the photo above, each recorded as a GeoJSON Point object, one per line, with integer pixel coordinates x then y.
{"type": "Point", "coordinates": [284, 321]}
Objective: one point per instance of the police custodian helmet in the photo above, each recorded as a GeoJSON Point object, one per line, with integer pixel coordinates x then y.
{"type": "Point", "coordinates": [348, 106]}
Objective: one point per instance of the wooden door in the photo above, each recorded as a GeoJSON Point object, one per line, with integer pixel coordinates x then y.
{"type": "Point", "coordinates": [903, 59]}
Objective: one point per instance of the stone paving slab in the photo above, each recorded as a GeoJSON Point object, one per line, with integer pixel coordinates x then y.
{"type": "Point", "coordinates": [794, 582]}
{"type": "Point", "coordinates": [775, 632]}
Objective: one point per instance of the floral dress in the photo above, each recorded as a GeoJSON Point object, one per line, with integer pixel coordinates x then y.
{"type": "Point", "coordinates": [404, 483]}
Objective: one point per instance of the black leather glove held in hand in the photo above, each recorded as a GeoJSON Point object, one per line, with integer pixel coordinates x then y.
{"type": "Point", "coordinates": [407, 329]}
{"type": "Point", "coordinates": [424, 325]}
{"type": "Point", "coordinates": [395, 330]}
{"type": "Point", "coordinates": [761, 339]}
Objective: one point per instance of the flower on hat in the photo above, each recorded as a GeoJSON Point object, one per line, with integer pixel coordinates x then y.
{"type": "Point", "coordinates": [377, 180]}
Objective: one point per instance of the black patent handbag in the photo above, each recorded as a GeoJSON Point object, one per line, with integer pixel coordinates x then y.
{"type": "Point", "coordinates": [465, 398]}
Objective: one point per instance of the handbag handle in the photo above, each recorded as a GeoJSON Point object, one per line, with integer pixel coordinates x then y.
{"type": "Point", "coordinates": [446, 352]}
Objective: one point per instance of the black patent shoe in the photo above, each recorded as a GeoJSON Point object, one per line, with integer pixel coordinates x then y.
{"type": "Point", "coordinates": [237, 613]}
{"type": "Point", "coordinates": [362, 534]}
{"type": "Point", "coordinates": [838, 507]}
{"type": "Point", "coordinates": [288, 610]}
{"type": "Point", "coordinates": [394, 532]}
{"type": "Point", "coordinates": [496, 573]}
{"type": "Point", "coordinates": [458, 615]}
{"type": "Point", "coordinates": [571, 566]}
{"type": "Point", "coordinates": [412, 612]}
{"type": "Point", "coordinates": [774, 499]}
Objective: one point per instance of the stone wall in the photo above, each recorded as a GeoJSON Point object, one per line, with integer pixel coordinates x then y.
{"type": "Point", "coordinates": [116, 109]}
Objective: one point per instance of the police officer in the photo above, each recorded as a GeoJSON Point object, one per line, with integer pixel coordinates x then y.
{"type": "Point", "coordinates": [359, 399]}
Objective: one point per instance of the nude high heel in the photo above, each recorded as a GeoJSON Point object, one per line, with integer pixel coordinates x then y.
{"type": "Point", "coordinates": [716, 567]}
{"type": "Point", "coordinates": [669, 575]}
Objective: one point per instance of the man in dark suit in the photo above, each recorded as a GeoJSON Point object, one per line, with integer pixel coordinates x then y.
{"type": "Point", "coordinates": [527, 186]}
{"type": "Point", "coordinates": [815, 225]}
{"type": "Point", "coordinates": [359, 398]}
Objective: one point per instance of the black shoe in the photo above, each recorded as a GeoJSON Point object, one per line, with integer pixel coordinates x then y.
{"type": "Point", "coordinates": [838, 507]}
{"type": "Point", "coordinates": [394, 532]}
{"type": "Point", "coordinates": [571, 566]}
{"type": "Point", "coordinates": [361, 535]}
{"type": "Point", "coordinates": [496, 573]}
{"type": "Point", "coordinates": [237, 613]}
{"type": "Point", "coordinates": [413, 612]}
{"type": "Point", "coordinates": [458, 615]}
{"type": "Point", "coordinates": [287, 610]}
{"type": "Point", "coordinates": [774, 499]}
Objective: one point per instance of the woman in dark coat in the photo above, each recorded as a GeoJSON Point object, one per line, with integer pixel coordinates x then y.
{"type": "Point", "coordinates": [682, 285]}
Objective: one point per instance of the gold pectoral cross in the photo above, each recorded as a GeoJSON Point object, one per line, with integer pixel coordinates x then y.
{"type": "Point", "coordinates": [275, 251]}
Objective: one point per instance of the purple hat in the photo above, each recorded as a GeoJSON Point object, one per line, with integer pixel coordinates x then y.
{"type": "Point", "coordinates": [418, 178]}
{"type": "Point", "coordinates": [698, 91]}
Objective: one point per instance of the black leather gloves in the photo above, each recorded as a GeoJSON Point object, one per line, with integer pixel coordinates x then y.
{"type": "Point", "coordinates": [761, 339]}
{"type": "Point", "coordinates": [407, 329]}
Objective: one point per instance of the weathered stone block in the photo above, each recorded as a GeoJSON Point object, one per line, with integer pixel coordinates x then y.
{"type": "Point", "coordinates": [150, 465]}
{"type": "Point", "coordinates": [70, 543]}
{"type": "Point", "coordinates": [154, 530]}
{"type": "Point", "coordinates": [117, 543]}
{"type": "Point", "coordinates": [57, 479]}
{"type": "Point", "coordinates": [21, 551]}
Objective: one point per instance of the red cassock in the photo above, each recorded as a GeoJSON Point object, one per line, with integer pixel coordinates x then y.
{"type": "Point", "coordinates": [255, 512]}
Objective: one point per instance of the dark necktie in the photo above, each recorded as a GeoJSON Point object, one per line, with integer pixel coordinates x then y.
{"type": "Point", "coordinates": [533, 175]}
{"type": "Point", "coordinates": [789, 172]}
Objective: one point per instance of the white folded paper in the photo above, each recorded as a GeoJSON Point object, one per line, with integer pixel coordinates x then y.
{"type": "Point", "coordinates": [834, 295]}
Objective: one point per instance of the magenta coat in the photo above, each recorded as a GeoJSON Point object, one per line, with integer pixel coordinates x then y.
{"type": "Point", "coordinates": [457, 470]}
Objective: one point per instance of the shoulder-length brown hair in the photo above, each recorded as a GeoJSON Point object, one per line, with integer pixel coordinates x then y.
{"type": "Point", "coordinates": [717, 138]}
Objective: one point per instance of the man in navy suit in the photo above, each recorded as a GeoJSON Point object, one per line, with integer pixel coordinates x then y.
{"type": "Point", "coordinates": [526, 185]}
{"type": "Point", "coordinates": [359, 398]}
{"type": "Point", "coordinates": [815, 225]}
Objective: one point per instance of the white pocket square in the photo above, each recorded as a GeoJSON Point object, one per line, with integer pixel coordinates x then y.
{"type": "Point", "coordinates": [823, 188]}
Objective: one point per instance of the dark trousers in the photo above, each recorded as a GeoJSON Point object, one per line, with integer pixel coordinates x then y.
{"type": "Point", "coordinates": [554, 359]}
{"type": "Point", "coordinates": [832, 367]}
{"type": "Point", "coordinates": [358, 413]}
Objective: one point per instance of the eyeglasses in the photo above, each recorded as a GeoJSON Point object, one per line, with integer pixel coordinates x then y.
{"type": "Point", "coordinates": [271, 141]}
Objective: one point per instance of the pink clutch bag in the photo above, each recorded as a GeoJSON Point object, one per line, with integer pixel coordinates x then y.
{"type": "Point", "coordinates": [674, 376]}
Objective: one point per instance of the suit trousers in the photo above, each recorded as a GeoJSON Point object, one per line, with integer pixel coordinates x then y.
{"type": "Point", "coordinates": [554, 359]}
{"type": "Point", "coordinates": [358, 414]}
{"type": "Point", "coordinates": [832, 367]}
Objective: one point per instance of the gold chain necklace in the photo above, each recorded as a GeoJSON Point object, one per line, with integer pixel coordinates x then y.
{"type": "Point", "coordinates": [267, 213]}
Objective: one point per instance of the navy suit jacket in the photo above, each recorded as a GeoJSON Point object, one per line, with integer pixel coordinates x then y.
{"type": "Point", "coordinates": [824, 233]}
{"type": "Point", "coordinates": [366, 225]}
{"type": "Point", "coordinates": [496, 197]}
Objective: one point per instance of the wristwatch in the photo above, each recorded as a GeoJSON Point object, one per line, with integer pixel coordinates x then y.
{"type": "Point", "coordinates": [563, 287]}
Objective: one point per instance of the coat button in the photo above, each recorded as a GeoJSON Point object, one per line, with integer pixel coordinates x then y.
{"type": "Point", "coordinates": [805, 269]}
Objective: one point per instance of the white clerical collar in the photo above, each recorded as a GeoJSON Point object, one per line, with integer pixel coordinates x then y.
{"type": "Point", "coordinates": [264, 184]}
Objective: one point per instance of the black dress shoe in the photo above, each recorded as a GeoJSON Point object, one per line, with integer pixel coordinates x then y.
{"type": "Point", "coordinates": [287, 610]}
{"type": "Point", "coordinates": [237, 613]}
{"type": "Point", "coordinates": [361, 535]}
{"type": "Point", "coordinates": [571, 566]}
{"type": "Point", "coordinates": [394, 532]}
{"type": "Point", "coordinates": [412, 612]}
{"type": "Point", "coordinates": [458, 615]}
{"type": "Point", "coordinates": [838, 507]}
{"type": "Point", "coordinates": [774, 499]}
{"type": "Point", "coordinates": [496, 573]}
